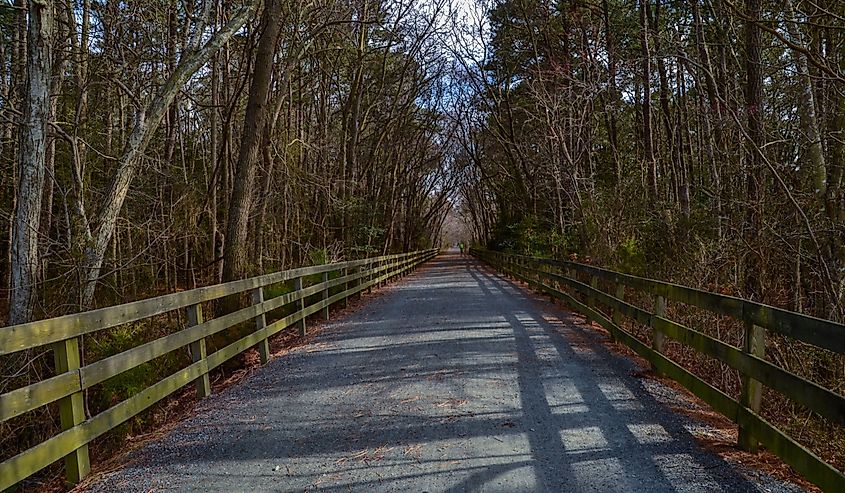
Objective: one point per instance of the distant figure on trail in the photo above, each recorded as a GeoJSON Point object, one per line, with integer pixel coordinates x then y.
{"type": "Point", "coordinates": [462, 247]}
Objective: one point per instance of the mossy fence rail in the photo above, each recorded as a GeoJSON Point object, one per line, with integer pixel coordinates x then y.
{"type": "Point", "coordinates": [566, 281]}
{"type": "Point", "coordinates": [72, 377]}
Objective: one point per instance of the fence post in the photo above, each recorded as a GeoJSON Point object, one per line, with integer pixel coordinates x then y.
{"type": "Point", "coordinates": [752, 390]}
{"type": "Point", "coordinates": [300, 304]}
{"type": "Point", "coordinates": [72, 409]}
{"type": "Point", "coordinates": [344, 273]}
{"type": "Point", "coordinates": [658, 339]}
{"type": "Point", "coordinates": [544, 278]}
{"type": "Point", "coordinates": [325, 296]}
{"type": "Point", "coordinates": [198, 351]}
{"type": "Point", "coordinates": [378, 266]}
{"type": "Point", "coordinates": [594, 283]}
{"type": "Point", "coordinates": [263, 346]}
{"type": "Point", "coordinates": [617, 313]}
{"type": "Point", "coordinates": [358, 281]}
{"type": "Point", "coordinates": [555, 283]}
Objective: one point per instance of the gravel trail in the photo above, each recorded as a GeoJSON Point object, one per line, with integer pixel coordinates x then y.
{"type": "Point", "coordinates": [451, 380]}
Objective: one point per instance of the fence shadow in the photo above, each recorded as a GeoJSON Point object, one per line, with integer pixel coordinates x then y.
{"type": "Point", "coordinates": [452, 381]}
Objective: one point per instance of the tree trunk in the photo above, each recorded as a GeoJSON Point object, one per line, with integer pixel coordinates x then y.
{"type": "Point", "coordinates": [235, 250]}
{"type": "Point", "coordinates": [648, 134]}
{"type": "Point", "coordinates": [32, 157]}
{"type": "Point", "coordinates": [146, 123]}
{"type": "Point", "coordinates": [214, 166]}
{"type": "Point", "coordinates": [613, 97]}
{"type": "Point", "coordinates": [711, 135]}
{"type": "Point", "coordinates": [753, 274]}
{"type": "Point", "coordinates": [817, 171]}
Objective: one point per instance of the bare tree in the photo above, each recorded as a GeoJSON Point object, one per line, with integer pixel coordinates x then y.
{"type": "Point", "coordinates": [146, 122]}
{"type": "Point", "coordinates": [25, 251]}
{"type": "Point", "coordinates": [255, 121]}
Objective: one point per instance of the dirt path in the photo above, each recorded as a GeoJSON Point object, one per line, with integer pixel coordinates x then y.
{"type": "Point", "coordinates": [452, 380]}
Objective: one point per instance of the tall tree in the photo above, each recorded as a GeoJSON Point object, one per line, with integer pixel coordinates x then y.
{"type": "Point", "coordinates": [147, 121]}
{"type": "Point", "coordinates": [754, 182]}
{"type": "Point", "coordinates": [32, 153]}
{"type": "Point", "coordinates": [650, 156]}
{"type": "Point", "coordinates": [236, 249]}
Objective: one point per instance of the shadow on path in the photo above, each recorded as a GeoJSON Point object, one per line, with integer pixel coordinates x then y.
{"type": "Point", "coordinates": [453, 380]}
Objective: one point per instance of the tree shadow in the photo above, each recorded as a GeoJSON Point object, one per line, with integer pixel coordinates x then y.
{"type": "Point", "coordinates": [452, 381]}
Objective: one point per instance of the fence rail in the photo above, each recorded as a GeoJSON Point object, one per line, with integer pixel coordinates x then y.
{"type": "Point", "coordinates": [561, 280]}
{"type": "Point", "coordinates": [72, 377]}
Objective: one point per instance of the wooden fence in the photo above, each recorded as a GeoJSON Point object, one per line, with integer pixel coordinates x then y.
{"type": "Point", "coordinates": [72, 378]}
{"type": "Point", "coordinates": [566, 281]}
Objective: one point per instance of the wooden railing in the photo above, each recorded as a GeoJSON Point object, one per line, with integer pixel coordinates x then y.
{"type": "Point", "coordinates": [566, 281]}
{"type": "Point", "coordinates": [72, 378]}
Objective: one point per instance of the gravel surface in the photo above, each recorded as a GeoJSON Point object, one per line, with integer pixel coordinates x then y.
{"type": "Point", "coordinates": [451, 380]}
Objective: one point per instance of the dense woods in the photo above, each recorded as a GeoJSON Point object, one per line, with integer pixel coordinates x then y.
{"type": "Point", "coordinates": [154, 146]}
{"type": "Point", "coordinates": [702, 140]}
{"type": "Point", "coordinates": [697, 142]}
{"type": "Point", "coordinates": [149, 146]}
